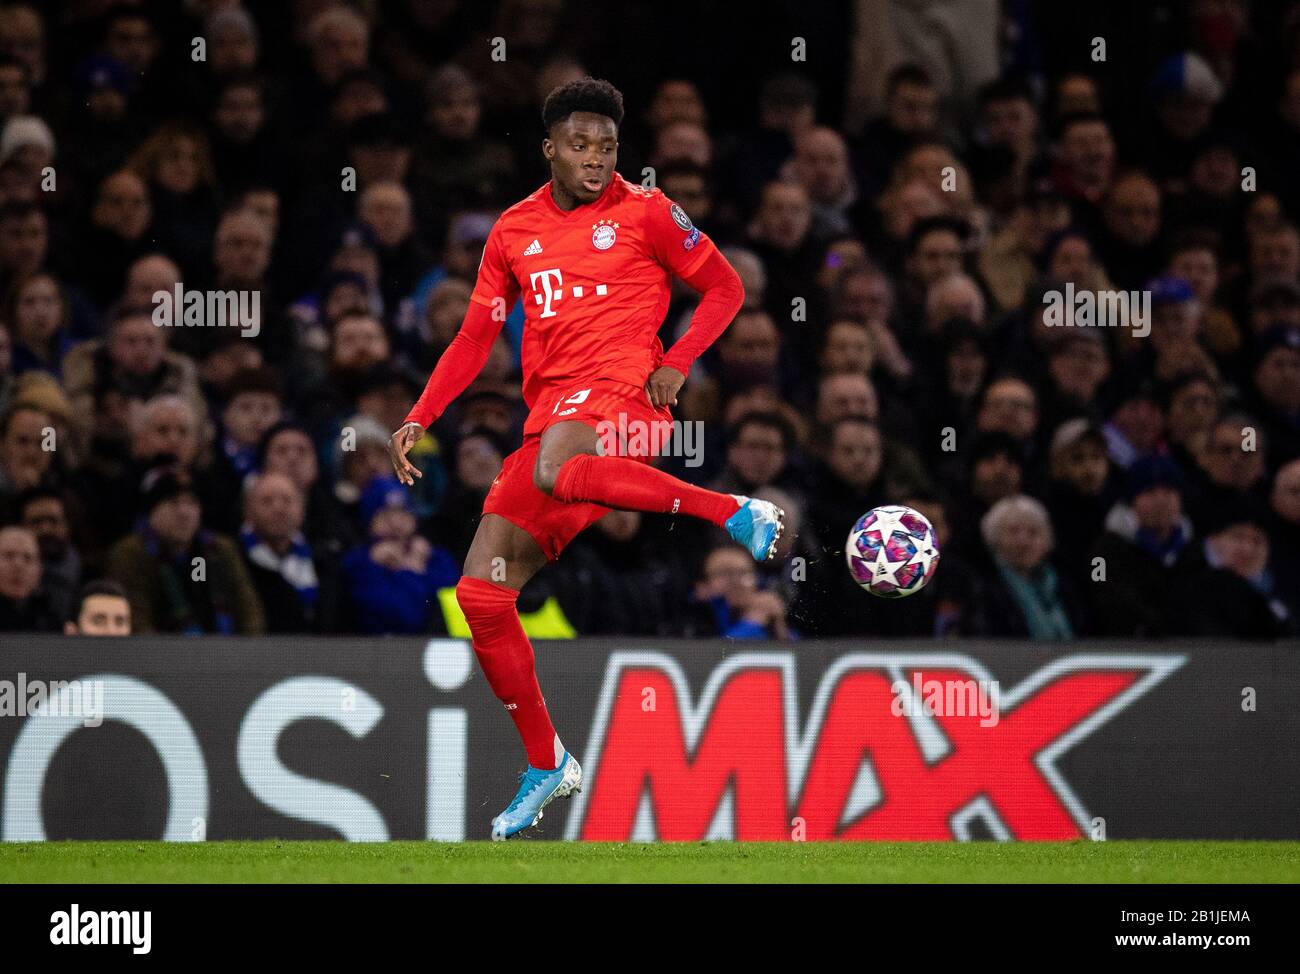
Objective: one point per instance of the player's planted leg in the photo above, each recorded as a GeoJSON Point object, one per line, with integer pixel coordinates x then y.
{"type": "Point", "coordinates": [505, 551]}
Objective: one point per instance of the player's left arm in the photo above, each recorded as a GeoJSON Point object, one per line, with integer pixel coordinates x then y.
{"type": "Point", "coordinates": [688, 253]}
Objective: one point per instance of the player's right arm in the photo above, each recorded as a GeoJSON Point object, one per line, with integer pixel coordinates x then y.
{"type": "Point", "coordinates": [495, 293]}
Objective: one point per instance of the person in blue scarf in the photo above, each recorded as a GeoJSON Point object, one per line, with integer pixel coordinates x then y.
{"type": "Point", "coordinates": [298, 584]}
{"type": "Point", "coordinates": [1023, 595]}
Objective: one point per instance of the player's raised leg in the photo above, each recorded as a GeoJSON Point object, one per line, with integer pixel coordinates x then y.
{"type": "Point", "coordinates": [502, 550]}
{"type": "Point", "coordinates": [570, 469]}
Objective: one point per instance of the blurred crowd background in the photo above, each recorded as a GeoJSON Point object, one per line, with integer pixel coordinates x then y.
{"type": "Point", "coordinates": [900, 183]}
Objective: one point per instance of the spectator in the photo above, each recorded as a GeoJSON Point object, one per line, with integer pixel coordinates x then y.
{"type": "Point", "coordinates": [618, 578]}
{"type": "Point", "coordinates": [1129, 243]}
{"type": "Point", "coordinates": [1136, 565]}
{"type": "Point", "coordinates": [44, 512]}
{"type": "Point", "coordinates": [287, 449]}
{"type": "Point", "coordinates": [476, 460]}
{"type": "Point", "coordinates": [821, 166]}
{"type": "Point", "coordinates": [299, 587]}
{"type": "Point", "coordinates": [455, 164]}
{"type": "Point", "coordinates": [1230, 466]}
{"type": "Point", "coordinates": [25, 453]}
{"type": "Point", "coordinates": [850, 480]}
{"type": "Point", "coordinates": [179, 576]}
{"type": "Point", "coordinates": [1085, 157]}
{"type": "Point", "coordinates": [729, 603]}
{"type": "Point", "coordinates": [1081, 491]}
{"type": "Point", "coordinates": [911, 112]}
{"type": "Point", "coordinates": [757, 448]}
{"type": "Point", "coordinates": [244, 151]}
{"type": "Point", "coordinates": [37, 315]}
{"type": "Point", "coordinates": [394, 579]}
{"type": "Point", "coordinates": [781, 234]}
{"type": "Point", "coordinates": [1276, 391]}
{"type": "Point", "coordinates": [254, 403]}
{"type": "Point", "coordinates": [1227, 589]}
{"type": "Point", "coordinates": [24, 605]}
{"type": "Point", "coordinates": [1024, 596]}
{"type": "Point", "coordinates": [1284, 535]}
{"type": "Point", "coordinates": [131, 364]}
{"type": "Point", "coordinates": [102, 609]}
{"type": "Point", "coordinates": [1193, 403]}
{"type": "Point", "coordinates": [1010, 261]}
{"type": "Point", "coordinates": [176, 162]}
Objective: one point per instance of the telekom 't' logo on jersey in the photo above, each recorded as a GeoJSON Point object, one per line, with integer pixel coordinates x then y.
{"type": "Point", "coordinates": [739, 763]}
{"type": "Point", "coordinates": [548, 287]}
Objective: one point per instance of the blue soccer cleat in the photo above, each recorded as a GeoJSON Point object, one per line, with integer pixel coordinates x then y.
{"type": "Point", "coordinates": [757, 525]}
{"type": "Point", "coordinates": [536, 790]}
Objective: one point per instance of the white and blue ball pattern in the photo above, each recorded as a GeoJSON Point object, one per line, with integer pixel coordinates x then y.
{"type": "Point", "coordinates": [892, 551]}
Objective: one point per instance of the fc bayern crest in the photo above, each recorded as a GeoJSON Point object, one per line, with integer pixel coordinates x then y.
{"type": "Point", "coordinates": [603, 235]}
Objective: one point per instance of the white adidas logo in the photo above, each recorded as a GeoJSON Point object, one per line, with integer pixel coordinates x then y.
{"type": "Point", "coordinates": [533, 248]}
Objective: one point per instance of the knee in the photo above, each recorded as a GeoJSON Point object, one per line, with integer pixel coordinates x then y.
{"type": "Point", "coordinates": [482, 601]}
{"type": "Point", "coordinates": [546, 471]}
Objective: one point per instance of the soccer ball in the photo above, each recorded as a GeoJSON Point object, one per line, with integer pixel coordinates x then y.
{"type": "Point", "coordinates": [892, 552]}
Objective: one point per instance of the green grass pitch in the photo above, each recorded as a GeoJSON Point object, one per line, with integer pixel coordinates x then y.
{"type": "Point", "coordinates": [694, 862]}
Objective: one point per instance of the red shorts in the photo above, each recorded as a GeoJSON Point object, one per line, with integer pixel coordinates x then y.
{"type": "Point", "coordinates": [627, 426]}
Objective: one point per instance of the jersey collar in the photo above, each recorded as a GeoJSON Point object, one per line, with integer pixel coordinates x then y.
{"type": "Point", "coordinates": [569, 214]}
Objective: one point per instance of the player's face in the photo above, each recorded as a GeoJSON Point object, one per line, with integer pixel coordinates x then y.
{"type": "Point", "coordinates": [582, 151]}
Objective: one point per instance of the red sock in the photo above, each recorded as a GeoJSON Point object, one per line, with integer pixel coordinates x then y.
{"type": "Point", "coordinates": [506, 656]}
{"type": "Point", "coordinates": [631, 485]}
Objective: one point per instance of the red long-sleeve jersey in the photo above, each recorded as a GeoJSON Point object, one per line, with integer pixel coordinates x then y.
{"type": "Point", "coordinates": [596, 284]}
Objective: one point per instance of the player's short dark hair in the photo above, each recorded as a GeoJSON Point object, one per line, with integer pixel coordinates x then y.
{"type": "Point", "coordinates": [593, 95]}
{"type": "Point", "coordinates": [103, 586]}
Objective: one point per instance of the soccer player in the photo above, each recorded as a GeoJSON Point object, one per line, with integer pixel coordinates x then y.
{"type": "Point", "coordinates": [591, 254]}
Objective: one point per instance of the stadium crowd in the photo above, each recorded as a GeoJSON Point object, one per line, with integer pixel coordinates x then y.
{"type": "Point", "coordinates": [906, 204]}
